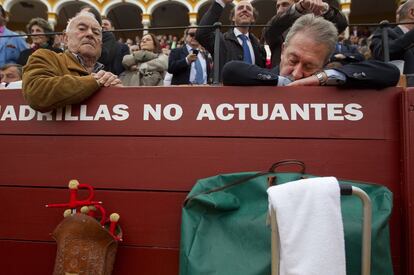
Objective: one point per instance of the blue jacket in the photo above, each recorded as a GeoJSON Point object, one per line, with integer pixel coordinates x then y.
{"type": "Point", "coordinates": [10, 47]}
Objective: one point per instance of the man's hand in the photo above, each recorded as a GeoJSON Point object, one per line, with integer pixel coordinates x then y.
{"type": "Point", "coordinates": [308, 81]}
{"type": "Point", "coordinates": [106, 79]}
{"type": "Point", "coordinates": [339, 56]}
{"type": "Point", "coordinates": [316, 7]}
{"type": "Point", "coordinates": [191, 58]}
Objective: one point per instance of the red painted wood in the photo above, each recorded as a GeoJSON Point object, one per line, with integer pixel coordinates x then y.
{"type": "Point", "coordinates": [155, 163]}
{"type": "Point", "coordinates": [147, 218]}
{"type": "Point", "coordinates": [36, 258]}
{"type": "Point", "coordinates": [408, 188]}
{"type": "Point", "coordinates": [380, 110]}
{"type": "Point", "coordinates": [146, 167]}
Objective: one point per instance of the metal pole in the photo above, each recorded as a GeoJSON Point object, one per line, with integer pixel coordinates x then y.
{"type": "Point", "coordinates": [366, 230]}
{"type": "Point", "coordinates": [385, 44]}
{"type": "Point", "coordinates": [216, 66]}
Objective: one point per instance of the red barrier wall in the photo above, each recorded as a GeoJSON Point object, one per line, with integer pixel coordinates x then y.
{"type": "Point", "coordinates": [143, 167]}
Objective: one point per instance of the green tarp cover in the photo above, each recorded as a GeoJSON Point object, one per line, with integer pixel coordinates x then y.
{"type": "Point", "coordinates": [225, 232]}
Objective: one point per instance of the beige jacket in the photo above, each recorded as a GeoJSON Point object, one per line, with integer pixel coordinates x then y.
{"type": "Point", "coordinates": [52, 80]}
{"type": "Point", "coordinates": [144, 68]}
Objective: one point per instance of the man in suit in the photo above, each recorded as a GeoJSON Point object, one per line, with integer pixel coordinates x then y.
{"type": "Point", "coordinates": [307, 48]}
{"type": "Point", "coordinates": [287, 11]}
{"type": "Point", "coordinates": [237, 43]}
{"type": "Point", "coordinates": [400, 38]}
{"type": "Point", "coordinates": [121, 49]}
{"type": "Point", "coordinates": [189, 64]}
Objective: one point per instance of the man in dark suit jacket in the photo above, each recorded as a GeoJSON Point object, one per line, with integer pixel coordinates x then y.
{"type": "Point", "coordinates": [237, 43]}
{"type": "Point", "coordinates": [113, 62]}
{"type": "Point", "coordinates": [307, 48]}
{"type": "Point", "coordinates": [400, 38]}
{"type": "Point", "coordinates": [287, 11]}
{"type": "Point", "coordinates": [184, 63]}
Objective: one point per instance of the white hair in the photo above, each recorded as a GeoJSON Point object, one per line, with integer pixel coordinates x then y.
{"type": "Point", "coordinates": [80, 14]}
{"type": "Point", "coordinates": [322, 31]}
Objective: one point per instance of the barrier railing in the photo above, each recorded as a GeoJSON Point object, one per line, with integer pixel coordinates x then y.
{"type": "Point", "coordinates": [384, 25]}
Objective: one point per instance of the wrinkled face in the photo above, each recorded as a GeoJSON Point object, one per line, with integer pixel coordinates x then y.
{"type": "Point", "coordinates": [243, 13]}
{"type": "Point", "coordinates": [84, 37]}
{"type": "Point", "coordinates": [147, 43]}
{"type": "Point", "coordinates": [9, 75]}
{"type": "Point", "coordinates": [302, 57]}
{"type": "Point", "coordinates": [283, 5]}
{"type": "Point", "coordinates": [190, 38]}
{"type": "Point", "coordinates": [41, 39]}
{"type": "Point", "coordinates": [106, 25]}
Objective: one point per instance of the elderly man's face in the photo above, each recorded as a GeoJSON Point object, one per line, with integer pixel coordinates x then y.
{"type": "Point", "coordinates": [243, 13]}
{"type": "Point", "coordinates": [85, 37]}
{"type": "Point", "coordinates": [10, 74]}
{"type": "Point", "coordinates": [302, 57]}
{"type": "Point", "coordinates": [283, 5]}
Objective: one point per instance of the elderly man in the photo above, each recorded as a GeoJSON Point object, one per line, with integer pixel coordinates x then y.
{"type": "Point", "coordinates": [307, 48]}
{"type": "Point", "coordinates": [10, 73]}
{"type": "Point", "coordinates": [287, 11]}
{"type": "Point", "coordinates": [189, 64]}
{"type": "Point", "coordinates": [53, 80]}
{"type": "Point", "coordinates": [238, 43]}
{"type": "Point", "coordinates": [401, 39]}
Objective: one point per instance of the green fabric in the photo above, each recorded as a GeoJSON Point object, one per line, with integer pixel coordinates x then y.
{"type": "Point", "coordinates": [225, 232]}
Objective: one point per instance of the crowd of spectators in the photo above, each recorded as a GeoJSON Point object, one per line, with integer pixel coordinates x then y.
{"type": "Point", "coordinates": [147, 61]}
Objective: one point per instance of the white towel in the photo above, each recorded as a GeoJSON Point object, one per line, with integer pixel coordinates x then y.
{"type": "Point", "coordinates": [310, 226]}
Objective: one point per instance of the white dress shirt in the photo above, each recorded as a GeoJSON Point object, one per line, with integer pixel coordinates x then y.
{"type": "Point", "coordinates": [249, 43]}
{"type": "Point", "coordinates": [203, 65]}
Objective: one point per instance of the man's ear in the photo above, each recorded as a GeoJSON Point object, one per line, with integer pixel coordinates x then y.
{"type": "Point", "coordinates": [65, 38]}
{"type": "Point", "coordinates": [283, 48]}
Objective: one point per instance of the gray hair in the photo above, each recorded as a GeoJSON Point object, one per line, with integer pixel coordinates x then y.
{"type": "Point", "coordinates": [80, 14]}
{"type": "Point", "coordinates": [321, 31]}
{"type": "Point", "coordinates": [404, 9]}
{"type": "Point", "coordinates": [11, 65]}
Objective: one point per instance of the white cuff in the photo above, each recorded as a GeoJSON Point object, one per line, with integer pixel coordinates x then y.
{"type": "Point", "coordinates": [221, 3]}
{"type": "Point", "coordinates": [283, 81]}
{"type": "Point", "coordinates": [335, 78]}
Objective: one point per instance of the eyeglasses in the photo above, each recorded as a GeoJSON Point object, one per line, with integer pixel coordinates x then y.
{"type": "Point", "coordinates": [192, 34]}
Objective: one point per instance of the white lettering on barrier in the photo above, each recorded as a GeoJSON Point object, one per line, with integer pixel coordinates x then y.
{"type": "Point", "coordinates": [118, 112]}
{"type": "Point", "coordinates": [170, 112]}
{"type": "Point", "coordinates": [260, 112]}
{"type": "Point", "coordinates": [174, 112]}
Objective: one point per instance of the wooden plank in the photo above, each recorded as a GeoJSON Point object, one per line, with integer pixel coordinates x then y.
{"type": "Point", "coordinates": [37, 258]}
{"type": "Point", "coordinates": [408, 187]}
{"type": "Point", "coordinates": [375, 118]}
{"type": "Point", "coordinates": [147, 218]}
{"type": "Point", "coordinates": [144, 168]}
{"type": "Point", "coordinates": [155, 163]}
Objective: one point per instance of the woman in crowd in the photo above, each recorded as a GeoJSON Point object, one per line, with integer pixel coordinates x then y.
{"type": "Point", "coordinates": [147, 66]}
{"type": "Point", "coordinates": [38, 26]}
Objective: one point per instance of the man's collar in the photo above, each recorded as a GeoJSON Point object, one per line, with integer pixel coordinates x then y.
{"type": "Point", "coordinates": [96, 68]}
{"type": "Point", "coordinates": [404, 28]}
{"type": "Point", "coordinates": [237, 32]}
{"type": "Point", "coordinates": [189, 48]}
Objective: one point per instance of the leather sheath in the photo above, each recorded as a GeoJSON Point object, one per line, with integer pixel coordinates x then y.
{"type": "Point", "coordinates": [83, 247]}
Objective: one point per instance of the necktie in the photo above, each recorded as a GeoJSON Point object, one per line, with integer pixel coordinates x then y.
{"type": "Point", "coordinates": [246, 50]}
{"type": "Point", "coordinates": [199, 78]}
